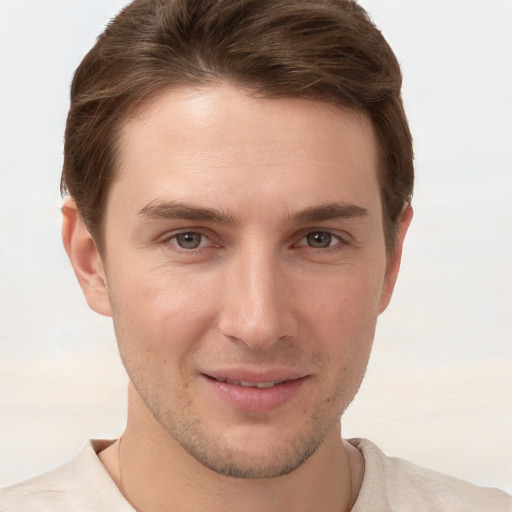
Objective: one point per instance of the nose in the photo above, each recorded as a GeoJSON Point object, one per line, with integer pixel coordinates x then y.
{"type": "Point", "coordinates": [257, 302]}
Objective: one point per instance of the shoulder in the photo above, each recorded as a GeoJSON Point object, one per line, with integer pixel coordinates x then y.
{"type": "Point", "coordinates": [82, 485]}
{"type": "Point", "coordinates": [44, 492]}
{"type": "Point", "coordinates": [396, 485]}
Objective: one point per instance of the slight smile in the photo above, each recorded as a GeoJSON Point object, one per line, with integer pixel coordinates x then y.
{"type": "Point", "coordinates": [247, 384]}
{"type": "Point", "coordinates": [254, 394]}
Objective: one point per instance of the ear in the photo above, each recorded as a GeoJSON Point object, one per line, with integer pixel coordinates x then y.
{"type": "Point", "coordinates": [85, 259]}
{"type": "Point", "coordinates": [393, 264]}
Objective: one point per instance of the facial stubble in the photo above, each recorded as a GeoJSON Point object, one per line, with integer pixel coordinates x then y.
{"type": "Point", "coordinates": [233, 460]}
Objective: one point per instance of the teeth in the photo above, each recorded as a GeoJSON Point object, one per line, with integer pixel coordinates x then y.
{"type": "Point", "coordinates": [260, 385]}
{"type": "Point", "coordinates": [263, 385]}
{"type": "Point", "coordinates": [246, 384]}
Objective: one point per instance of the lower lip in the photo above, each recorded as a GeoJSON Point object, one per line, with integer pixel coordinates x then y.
{"type": "Point", "coordinates": [256, 399]}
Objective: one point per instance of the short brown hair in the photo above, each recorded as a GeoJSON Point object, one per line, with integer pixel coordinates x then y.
{"type": "Point", "coordinates": [325, 50]}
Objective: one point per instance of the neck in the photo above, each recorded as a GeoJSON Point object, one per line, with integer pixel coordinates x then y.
{"type": "Point", "coordinates": [156, 474]}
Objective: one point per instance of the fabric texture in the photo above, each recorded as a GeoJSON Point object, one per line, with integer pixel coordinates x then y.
{"type": "Point", "coordinates": [82, 485]}
{"type": "Point", "coordinates": [396, 485]}
{"type": "Point", "coordinates": [389, 485]}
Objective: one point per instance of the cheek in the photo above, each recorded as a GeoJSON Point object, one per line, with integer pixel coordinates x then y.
{"type": "Point", "coordinates": [341, 320]}
{"type": "Point", "coordinates": [159, 314]}
{"type": "Point", "coordinates": [345, 305]}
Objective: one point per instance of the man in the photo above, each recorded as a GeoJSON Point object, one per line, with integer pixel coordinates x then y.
{"type": "Point", "coordinates": [240, 176]}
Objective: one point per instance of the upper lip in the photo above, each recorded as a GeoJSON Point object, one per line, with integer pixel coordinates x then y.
{"type": "Point", "coordinates": [240, 374]}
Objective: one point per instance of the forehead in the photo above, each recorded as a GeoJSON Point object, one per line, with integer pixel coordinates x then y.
{"type": "Point", "coordinates": [224, 145]}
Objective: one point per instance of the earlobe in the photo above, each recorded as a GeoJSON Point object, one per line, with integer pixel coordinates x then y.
{"type": "Point", "coordinates": [85, 259]}
{"type": "Point", "coordinates": [393, 264]}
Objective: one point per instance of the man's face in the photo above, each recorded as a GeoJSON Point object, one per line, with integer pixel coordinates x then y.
{"type": "Point", "coordinates": [246, 267]}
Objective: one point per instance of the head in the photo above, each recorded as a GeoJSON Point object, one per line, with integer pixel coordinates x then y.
{"type": "Point", "coordinates": [242, 172]}
{"type": "Point", "coordinates": [327, 51]}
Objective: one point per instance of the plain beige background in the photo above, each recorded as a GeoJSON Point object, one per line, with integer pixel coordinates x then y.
{"type": "Point", "coordinates": [439, 387]}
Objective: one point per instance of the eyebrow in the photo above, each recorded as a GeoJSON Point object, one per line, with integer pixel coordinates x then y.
{"type": "Point", "coordinates": [329, 211]}
{"type": "Point", "coordinates": [171, 210]}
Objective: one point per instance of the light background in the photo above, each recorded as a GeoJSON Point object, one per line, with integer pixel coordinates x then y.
{"type": "Point", "coordinates": [439, 384]}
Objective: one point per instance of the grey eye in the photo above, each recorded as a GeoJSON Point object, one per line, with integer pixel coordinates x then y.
{"type": "Point", "coordinates": [189, 240]}
{"type": "Point", "coordinates": [319, 239]}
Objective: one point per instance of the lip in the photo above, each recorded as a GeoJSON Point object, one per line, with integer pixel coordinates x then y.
{"type": "Point", "coordinates": [224, 385]}
{"type": "Point", "coordinates": [239, 374]}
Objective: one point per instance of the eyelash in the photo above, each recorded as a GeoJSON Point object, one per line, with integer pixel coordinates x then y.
{"type": "Point", "coordinates": [341, 242]}
{"type": "Point", "coordinates": [171, 240]}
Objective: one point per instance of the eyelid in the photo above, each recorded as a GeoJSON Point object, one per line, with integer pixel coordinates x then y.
{"type": "Point", "coordinates": [168, 238]}
{"type": "Point", "coordinates": [334, 238]}
{"type": "Point", "coordinates": [343, 237]}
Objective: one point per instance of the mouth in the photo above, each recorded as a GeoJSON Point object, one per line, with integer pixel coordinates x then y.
{"type": "Point", "coordinates": [255, 393]}
{"type": "Point", "coordinates": [247, 384]}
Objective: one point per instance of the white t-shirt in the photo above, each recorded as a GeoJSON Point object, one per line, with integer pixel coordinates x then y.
{"type": "Point", "coordinates": [389, 485]}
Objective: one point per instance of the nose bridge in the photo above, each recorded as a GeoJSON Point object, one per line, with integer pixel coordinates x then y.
{"type": "Point", "coordinates": [255, 303]}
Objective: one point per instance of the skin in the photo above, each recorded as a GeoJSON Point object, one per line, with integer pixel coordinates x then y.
{"type": "Point", "coordinates": [288, 279]}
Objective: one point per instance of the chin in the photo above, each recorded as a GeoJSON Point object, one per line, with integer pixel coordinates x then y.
{"type": "Point", "coordinates": [261, 462]}
{"type": "Point", "coordinates": [252, 451]}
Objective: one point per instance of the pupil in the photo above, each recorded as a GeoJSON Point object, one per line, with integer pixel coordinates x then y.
{"type": "Point", "coordinates": [188, 240]}
{"type": "Point", "coordinates": [319, 240]}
